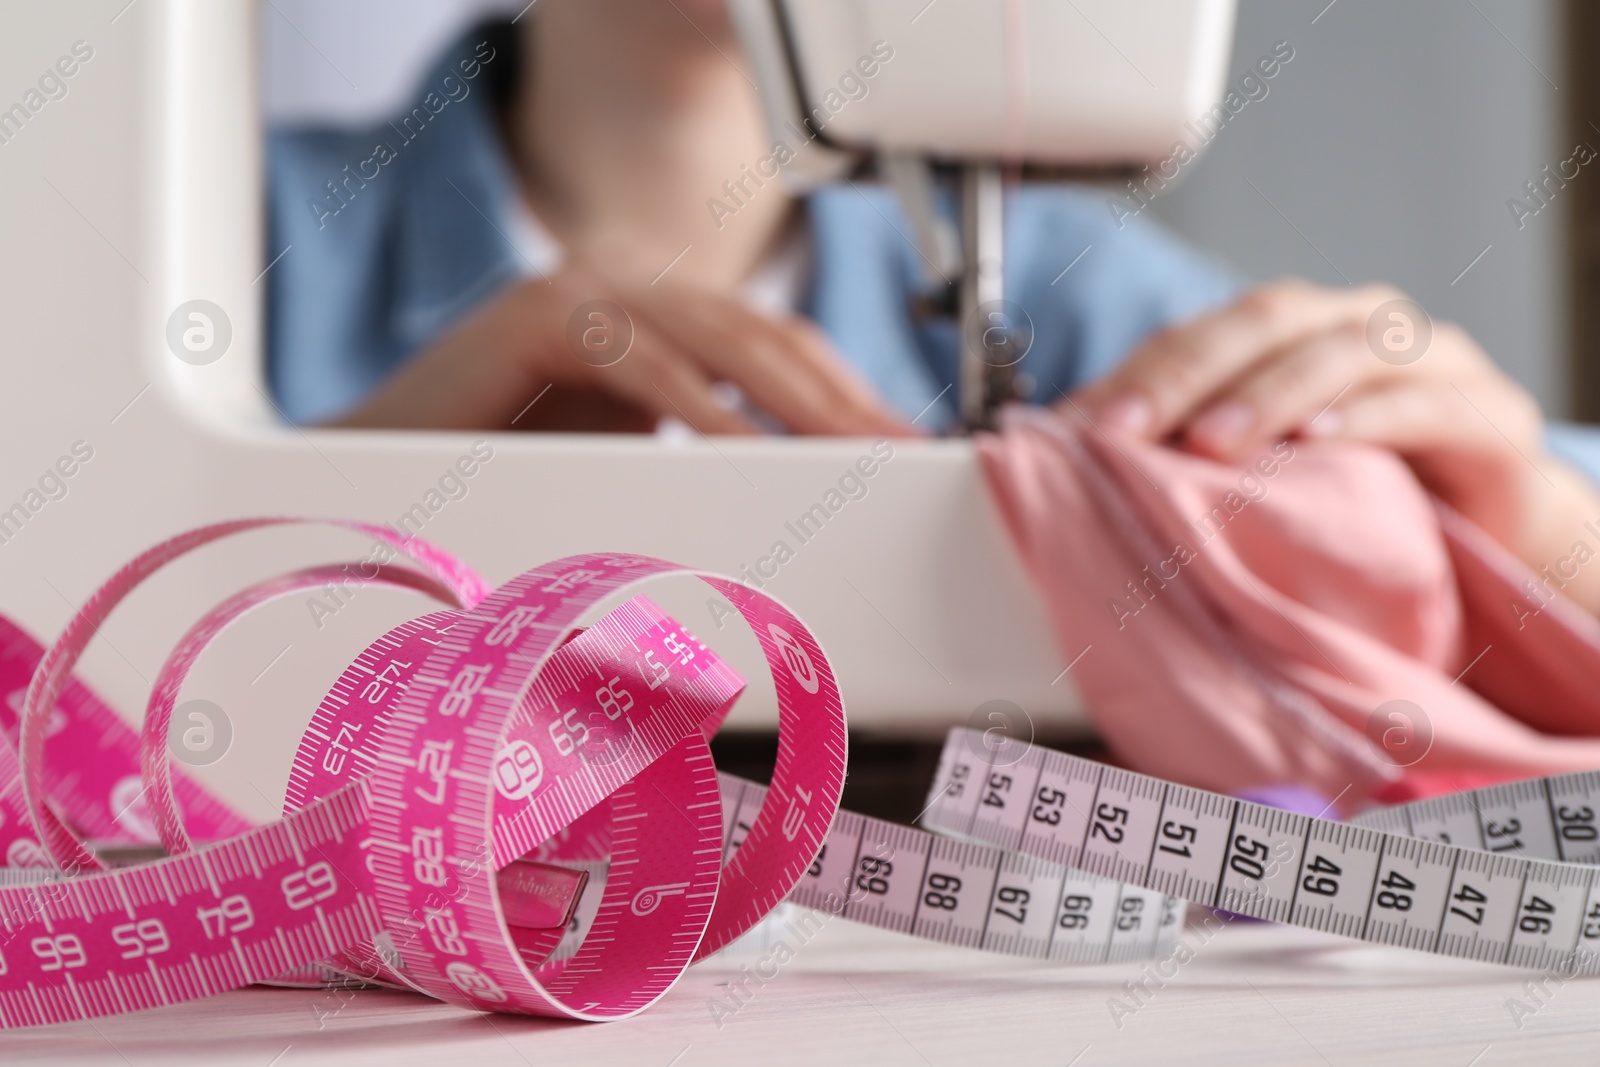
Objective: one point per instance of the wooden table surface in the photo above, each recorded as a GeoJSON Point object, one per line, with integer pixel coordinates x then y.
{"type": "Point", "coordinates": [1253, 994]}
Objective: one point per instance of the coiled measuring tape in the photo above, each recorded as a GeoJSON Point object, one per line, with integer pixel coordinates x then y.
{"type": "Point", "coordinates": [458, 790]}
{"type": "Point", "coordinates": [1504, 874]}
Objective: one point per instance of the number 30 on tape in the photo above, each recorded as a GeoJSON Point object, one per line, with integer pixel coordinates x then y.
{"type": "Point", "coordinates": [1506, 874]}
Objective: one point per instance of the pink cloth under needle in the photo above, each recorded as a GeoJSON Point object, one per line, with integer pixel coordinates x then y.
{"type": "Point", "coordinates": [1245, 623]}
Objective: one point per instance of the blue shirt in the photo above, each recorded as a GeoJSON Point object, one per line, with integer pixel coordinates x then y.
{"type": "Point", "coordinates": [394, 233]}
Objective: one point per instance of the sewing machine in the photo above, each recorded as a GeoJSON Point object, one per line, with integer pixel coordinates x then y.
{"type": "Point", "coordinates": [990, 90]}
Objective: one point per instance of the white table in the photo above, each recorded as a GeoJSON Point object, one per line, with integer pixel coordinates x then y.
{"type": "Point", "coordinates": [1254, 995]}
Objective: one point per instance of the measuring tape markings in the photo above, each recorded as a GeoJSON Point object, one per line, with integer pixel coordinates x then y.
{"type": "Point", "coordinates": [68, 923]}
{"type": "Point", "coordinates": [792, 831]}
{"type": "Point", "coordinates": [349, 728]}
{"type": "Point", "coordinates": [1062, 915]}
{"type": "Point", "coordinates": [90, 770]}
{"type": "Point", "coordinates": [556, 687]}
{"type": "Point", "coordinates": [566, 797]}
{"type": "Point", "coordinates": [784, 837]}
{"type": "Point", "coordinates": [1367, 880]}
{"type": "Point", "coordinates": [1549, 818]}
{"type": "Point", "coordinates": [904, 879]}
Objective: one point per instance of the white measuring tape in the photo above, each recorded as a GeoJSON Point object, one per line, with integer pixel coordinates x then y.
{"type": "Point", "coordinates": [959, 893]}
{"type": "Point", "coordinates": [1506, 874]}
{"type": "Point", "coordinates": [938, 888]}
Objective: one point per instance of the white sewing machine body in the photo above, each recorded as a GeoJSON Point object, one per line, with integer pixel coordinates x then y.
{"type": "Point", "coordinates": [1084, 85]}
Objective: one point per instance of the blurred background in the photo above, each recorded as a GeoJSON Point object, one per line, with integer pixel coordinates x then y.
{"type": "Point", "coordinates": [1387, 149]}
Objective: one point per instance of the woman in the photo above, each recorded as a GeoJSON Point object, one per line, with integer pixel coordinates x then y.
{"type": "Point", "coordinates": [441, 261]}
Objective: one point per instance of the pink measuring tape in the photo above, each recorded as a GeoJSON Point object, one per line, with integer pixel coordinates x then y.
{"type": "Point", "coordinates": [489, 806]}
{"type": "Point", "coordinates": [504, 812]}
{"type": "Point", "coordinates": [442, 805]}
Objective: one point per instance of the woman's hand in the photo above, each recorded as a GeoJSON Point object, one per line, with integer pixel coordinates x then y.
{"type": "Point", "coordinates": [1360, 364]}
{"type": "Point", "coordinates": [641, 355]}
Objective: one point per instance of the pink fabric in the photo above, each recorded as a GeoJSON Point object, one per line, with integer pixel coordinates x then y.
{"type": "Point", "coordinates": [1246, 622]}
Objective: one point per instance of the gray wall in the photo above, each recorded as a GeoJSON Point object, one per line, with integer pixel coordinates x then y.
{"type": "Point", "coordinates": [1391, 142]}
